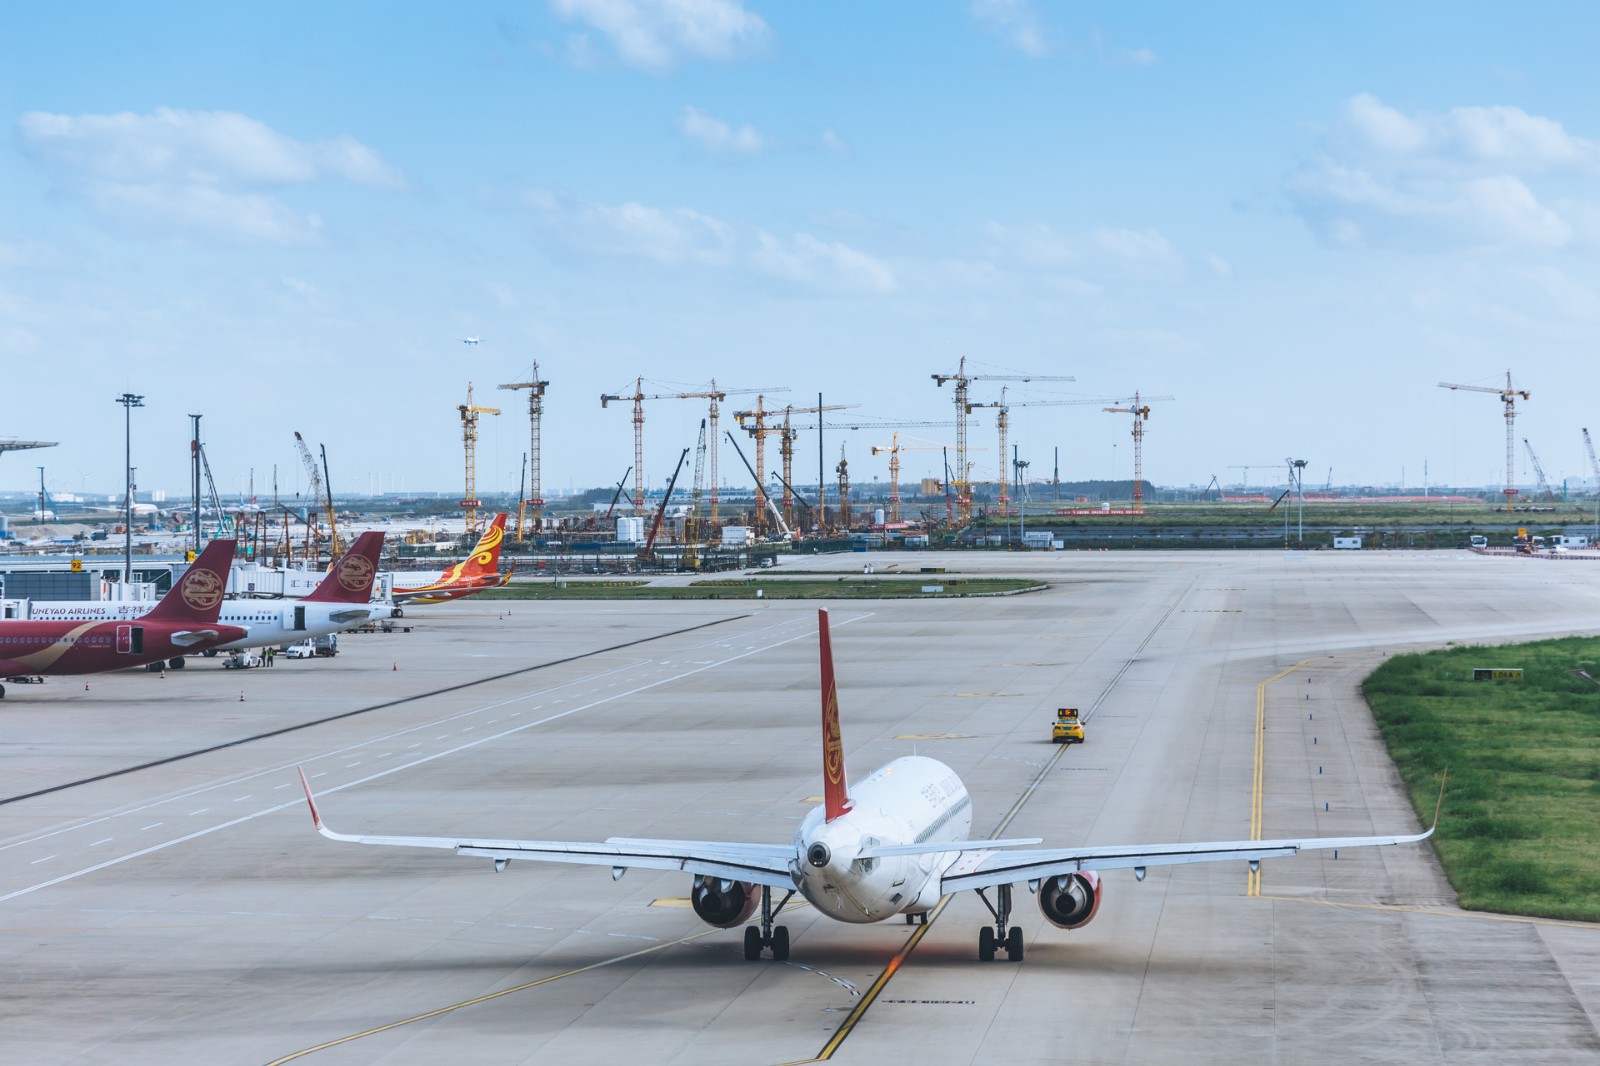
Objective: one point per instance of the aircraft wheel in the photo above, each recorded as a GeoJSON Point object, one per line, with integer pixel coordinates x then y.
{"type": "Point", "coordinates": [399, 612]}
{"type": "Point", "coordinates": [780, 943]}
{"type": "Point", "coordinates": [752, 943]}
{"type": "Point", "coordinates": [1014, 944]}
{"type": "Point", "coordinates": [210, 653]}
{"type": "Point", "coordinates": [177, 664]}
{"type": "Point", "coordinates": [986, 944]}
{"type": "Point", "coordinates": [2, 692]}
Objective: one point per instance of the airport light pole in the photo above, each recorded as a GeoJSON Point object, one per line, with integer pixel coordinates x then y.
{"type": "Point", "coordinates": [128, 401]}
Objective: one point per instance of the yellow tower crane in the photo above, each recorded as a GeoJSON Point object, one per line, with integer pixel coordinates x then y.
{"type": "Point", "coordinates": [894, 449]}
{"type": "Point", "coordinates": [469, 440]}
{"type": "Point", "coordinates": [963, 381]}
{"type": "Point", "coordinates": [1508, 396]}
{"type": "Point", "coordinates": [1140, 410]}
{"type": "Point", "coordinates": [535, 497]}
{"type": "Point", "coordinates": [712, 393]}
{"type": "Point", "coordinates": [786, 437]}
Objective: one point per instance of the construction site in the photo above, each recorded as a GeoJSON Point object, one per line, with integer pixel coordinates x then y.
{"type": "Point", "coordinates": [719, 501]}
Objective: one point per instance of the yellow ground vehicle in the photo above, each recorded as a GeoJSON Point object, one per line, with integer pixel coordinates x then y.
{"type": "Point", "coordinates": [1068, 728]}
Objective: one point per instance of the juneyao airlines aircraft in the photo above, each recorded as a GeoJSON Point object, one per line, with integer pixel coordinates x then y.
{"type": "Point", "coordinates": [893, 844]}
{"type": "Point", "coordinates": [480, 571]}
{"type": "Point", "coordinates": [342, 599]}
{"type": "Point", "coordinates": [184, 622]}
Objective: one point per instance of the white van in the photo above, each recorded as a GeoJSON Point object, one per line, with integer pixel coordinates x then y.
{"type": "Point", "coordinates": [1480, 541]}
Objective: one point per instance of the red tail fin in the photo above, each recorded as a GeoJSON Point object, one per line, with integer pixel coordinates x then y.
{"type": "Point", "coordinates": [350, 579]}
{"type": "Point", "coordinates": [197, 597]}
{"type": "Point", "coordinates": [835, 789]}
{"type": "Point", "coordinates": [485, 557]}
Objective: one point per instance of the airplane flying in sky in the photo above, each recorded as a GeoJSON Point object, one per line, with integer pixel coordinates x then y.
{"type": "Point", "coordinates": [471, 340]}
{"type": "Point", "coordinates": [184, 622]}
{"type": "Point", "coordinates": [894, 843]}
{"type": "Point", "coordinates": [480, 571]}
{"type": "Point", "coordinates": [341, 600]}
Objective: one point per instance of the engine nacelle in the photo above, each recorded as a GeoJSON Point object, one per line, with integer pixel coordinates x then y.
{"type": "Point", "coordinates": [724, 904]}
{"type": "Point", "coordinates": [1071, 900]}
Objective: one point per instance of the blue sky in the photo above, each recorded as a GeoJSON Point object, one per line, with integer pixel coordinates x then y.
{"type": "Point", "coordinates": [1294, 221]}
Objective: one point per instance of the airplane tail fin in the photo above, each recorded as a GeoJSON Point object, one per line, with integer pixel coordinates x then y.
{"type": "Point", "coordinates": [485, 557]}
{"type": "Point", "coordinates": [835, 788]}
{"type": "Point", "coordinates": [350, 579]}
{"type": "Point", "coordinates": [197, 597]}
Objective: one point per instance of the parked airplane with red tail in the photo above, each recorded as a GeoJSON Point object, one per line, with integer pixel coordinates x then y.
{"type": "Point", "coordinates": [184, 622]}
{"type": "Point", "coordinates": [480, 571]}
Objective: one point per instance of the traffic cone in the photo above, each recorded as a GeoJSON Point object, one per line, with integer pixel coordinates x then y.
{"type": "Point", "coordinates": [86, 686]}
{"type": "Point", "coordinates": [395, 668]}
{"type": "Point", "coordinates": [241, 695]}
{"type": "Point", "coordinates": [163, 673]}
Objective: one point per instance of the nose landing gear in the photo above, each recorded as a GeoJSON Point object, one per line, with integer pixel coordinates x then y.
{"type": "Point", "coordinates": [997, 936]}
{"type": "Point", "coordinates": [768, 936]}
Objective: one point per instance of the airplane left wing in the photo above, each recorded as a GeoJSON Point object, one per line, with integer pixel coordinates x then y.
{"type": "Point", "coordinates": [981, 869]}
{"type": "Point", "coordinates": [763, 864]}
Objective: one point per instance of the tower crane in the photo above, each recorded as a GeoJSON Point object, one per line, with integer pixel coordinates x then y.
{"type": "Point", "coordinates": [843, 470]}
{"type": "Point", "coordinates": [894, 449]}
{"type": "Point", "coordinates": [712, 393]}
{"type": "Point", "coordinates": [1538, 471]}
{"type": "Point", "coordinates": [963, 382]}
{"type": "Point", "coordinates": [469, 441]}
{"type": "Point", "coordinates": [691, 524]}
{"type": "Point", "coordinates": [786, 436]}
{"type": "Point", "coordinates": [1141, 414]}
{"type": "Point", "coordinates": [1003, 419]}
{"type": "Point", "coordinates": [535, 498]}
{"type": "Point", "coordinates": [1594, 464]}
{"type": "Point", "coordinates": [889, 425]}
{"type": "Point", "coordinates": [1508, 396]}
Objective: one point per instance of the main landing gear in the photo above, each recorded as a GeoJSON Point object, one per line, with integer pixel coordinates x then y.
{"type": "Point", "coordinates": [768, 936]}
{"type": "Point", "coordinates": [990, 938]}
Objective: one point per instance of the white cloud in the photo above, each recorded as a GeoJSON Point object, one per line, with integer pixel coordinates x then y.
{"type": "Point", "coordinates": [825, 264]}
{"type": "Point", "coordinates": [205, 147]}
{"type": "Point", "coordinates": [717, 137]}
{"type": "Point", "coordinates": [682, 236]}
{"type": "Point", "coordinates": [656, 35]}
{"type": "Point", "coordinates": [1468, 177]}
{"type": "Point", "coordinates": [1013, 21]}
{"type": "Point", "coordinates": [1138, 254]}
{"type": "Point", "coordinates": [196, 172]}
{"type": "Point", "coordinates": [834, 143]}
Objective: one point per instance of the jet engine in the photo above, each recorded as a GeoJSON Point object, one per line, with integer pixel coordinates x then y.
{"type": "Point", "coordinates": [1071, 900]}
{"type": "Point", "coordinates": [725, 904]}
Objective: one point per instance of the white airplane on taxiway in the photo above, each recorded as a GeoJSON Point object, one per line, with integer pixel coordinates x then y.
{"type": "Point", "coordinates": [894, 843]}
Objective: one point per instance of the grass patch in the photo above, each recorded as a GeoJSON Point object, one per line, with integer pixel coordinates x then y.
{"type": "Point", "coordinates": [1521, 827]}
{"type": "Point", "coordinates": [842, 588]}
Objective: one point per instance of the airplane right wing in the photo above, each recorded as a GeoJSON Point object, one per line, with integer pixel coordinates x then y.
{"type": "Point", "coordinates": [981, 869]}
{"type": "Point", "coordinates": [762, 864]}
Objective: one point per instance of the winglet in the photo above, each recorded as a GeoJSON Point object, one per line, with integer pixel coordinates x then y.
{"type": "Point", "coordinates": [316, 819]}
{"type": "Point", "coordinates": [835, 789]}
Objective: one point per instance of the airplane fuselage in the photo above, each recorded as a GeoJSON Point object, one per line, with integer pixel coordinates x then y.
{"type": "Point", "coordinates": [92, 647]}
{"type": "Point", "coordinates": [912, 800]}
{"type": "Point", "coordinates": [268, 622]}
